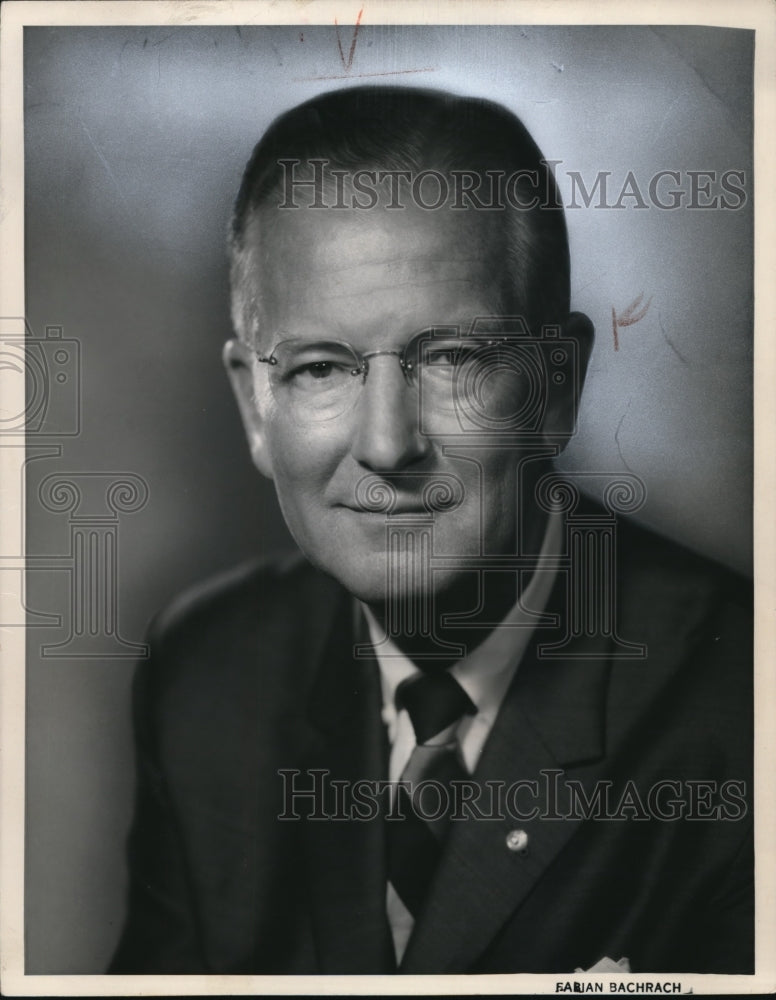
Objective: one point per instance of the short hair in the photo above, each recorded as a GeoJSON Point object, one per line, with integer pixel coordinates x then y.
{"type": "Point", "coordinates": [410, 128]}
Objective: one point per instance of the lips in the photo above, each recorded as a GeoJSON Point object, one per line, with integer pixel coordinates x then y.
{"type": "Point", "coordinates": [405, 493]}
{"type": "Point", "coordinates": [410, 507]}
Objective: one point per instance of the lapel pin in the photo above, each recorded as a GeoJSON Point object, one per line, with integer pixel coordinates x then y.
{"type": "Point", "coordinates": [517, 840]}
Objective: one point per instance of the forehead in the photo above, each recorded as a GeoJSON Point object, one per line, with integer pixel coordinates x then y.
{"type": "Point", "coordinates": [358, 270]}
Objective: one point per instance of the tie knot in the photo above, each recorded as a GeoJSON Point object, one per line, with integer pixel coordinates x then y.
{"type": "Point", "coordinates": [434, 702]}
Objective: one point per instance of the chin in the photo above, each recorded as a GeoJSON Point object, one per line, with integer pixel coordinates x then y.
{"type": "Point", "coordinates": [362, 566]}
{"type": "Point", "coordinates": [370, 584]}
{"type": "Point", "coordinates": [366, 579]}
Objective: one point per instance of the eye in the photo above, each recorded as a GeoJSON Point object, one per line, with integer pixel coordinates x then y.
{"type": "Point", "coordinates": [441, 358]}
{"type": "Point", "coordinates": [316, 369]}
{"type": "Point", "coordinates": [318, 374]}
{"type": "Point", "coordinates": [449, 356]}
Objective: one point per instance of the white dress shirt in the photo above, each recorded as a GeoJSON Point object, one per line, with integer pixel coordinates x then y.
{"type": "Point", "coordinates": [485, 674]}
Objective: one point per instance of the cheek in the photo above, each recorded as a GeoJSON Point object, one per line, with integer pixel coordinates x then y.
{"type": "Point", "coordinates": [499, 491]}
{"type": "Point", "coordinates": [490, 473]}
{"type": "Point", "coordinates": [303, 461]}
{"type": "Point", "coordinates": [489, 513]}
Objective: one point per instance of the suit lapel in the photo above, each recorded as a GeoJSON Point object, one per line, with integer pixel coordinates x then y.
{"type": "Point", "coordinates": [553, 718]}
{"type": "Point", "coordinates": [554, 715]}
{"type": "Point", "coordinates": [346, 869]}
{"type": "Point", "coordinates": [557, 714]}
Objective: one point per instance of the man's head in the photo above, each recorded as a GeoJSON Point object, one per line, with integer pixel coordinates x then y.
{"type": "Point", "coordinates": [398, 130]}
{"type": "Point", "coordinates": [359, 255]}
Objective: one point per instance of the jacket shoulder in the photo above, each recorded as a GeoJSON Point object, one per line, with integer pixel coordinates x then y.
{"type": "Point", "coordinates": [238, 633]}
{"type": "Point", "coordinates": [650, 560]}
{"type": "Point", "coordinates": [247, 597]}
{"type": "Point", "coordinates": [693, 620]}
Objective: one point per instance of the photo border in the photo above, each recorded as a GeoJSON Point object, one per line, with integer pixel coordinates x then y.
{"type": "Point", "coordinates": [758, 15]}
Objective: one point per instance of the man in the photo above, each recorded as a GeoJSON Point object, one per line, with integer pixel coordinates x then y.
{"type": "Point", "coordinates": [460, 735]}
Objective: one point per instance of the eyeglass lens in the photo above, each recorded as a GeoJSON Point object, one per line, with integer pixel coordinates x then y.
{"type": "Point", "coordinates": [319, 380]}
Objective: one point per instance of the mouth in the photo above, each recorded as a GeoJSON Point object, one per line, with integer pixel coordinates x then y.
{"type": "Point", "coordinates": [415, 494]}
{"type": "Point", "coordinates": [395, 509]}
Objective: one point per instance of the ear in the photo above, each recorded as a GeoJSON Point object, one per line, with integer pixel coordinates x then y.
{"type": "Point", "coordinates": [238, 361]}
{"type": "Point", "coordinates": [564, 394]}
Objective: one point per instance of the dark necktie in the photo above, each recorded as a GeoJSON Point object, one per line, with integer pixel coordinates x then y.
{"type": "Point", "coordinates": [435, 704]}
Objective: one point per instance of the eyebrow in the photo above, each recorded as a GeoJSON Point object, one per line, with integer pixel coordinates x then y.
{"type": "Point", "coordinates": [464, 324]}
{"type": "Point", "coordinates": [459, 329]}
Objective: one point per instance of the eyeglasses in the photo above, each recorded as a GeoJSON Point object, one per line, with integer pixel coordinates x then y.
{"type": "Point", "coordinates": [318, 380]}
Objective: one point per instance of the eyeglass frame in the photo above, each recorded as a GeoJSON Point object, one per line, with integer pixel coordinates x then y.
{"type": "Point", "coordinates": [407, 367]}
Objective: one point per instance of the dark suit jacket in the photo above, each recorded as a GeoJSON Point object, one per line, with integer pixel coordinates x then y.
{"type": "Point", "coordinates": [255, 674]}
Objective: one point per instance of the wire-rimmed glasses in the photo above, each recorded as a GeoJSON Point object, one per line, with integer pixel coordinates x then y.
{"type": "Point", "coordinates": [318, 380]}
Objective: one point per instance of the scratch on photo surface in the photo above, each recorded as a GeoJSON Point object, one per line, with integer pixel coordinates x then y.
{"type": "Point", "coordinates": [699, 72]}
{"type": "Point", "coordinates": [617, 436]}
{"type": "Point", "coordinates": [599, 276]}
{"type": "Point", "coordinates": [105, 164]}
{"type": "Point", "coordinates": [664, 119]}
{"type": "Point", "coordinates": [671, 344]}
{"type": "Point", "coordinates": [711, 78]}
{"type": "Point", "coordinates": [361, 76]}
{"type": "Point", "coordinates": [163, 39]}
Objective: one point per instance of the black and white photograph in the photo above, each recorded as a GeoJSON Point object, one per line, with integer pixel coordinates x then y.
{"type": "Point", "coordinates": [387, 498]}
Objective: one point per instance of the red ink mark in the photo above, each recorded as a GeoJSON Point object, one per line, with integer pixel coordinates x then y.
{"type": "Point", "coordinates": [347, 63]}
{"type": "Point", "coordinates": [628, 317]}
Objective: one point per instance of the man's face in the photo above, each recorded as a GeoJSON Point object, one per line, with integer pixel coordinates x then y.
{"type": "Point", "coordinates": [373, 279]}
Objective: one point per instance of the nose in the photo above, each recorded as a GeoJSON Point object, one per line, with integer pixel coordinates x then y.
{"type": "Point", "coordinates": [387, 436]}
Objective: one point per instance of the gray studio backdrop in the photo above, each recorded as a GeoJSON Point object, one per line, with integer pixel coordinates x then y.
{"type": "Point", "coordinates": [135, 141]}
